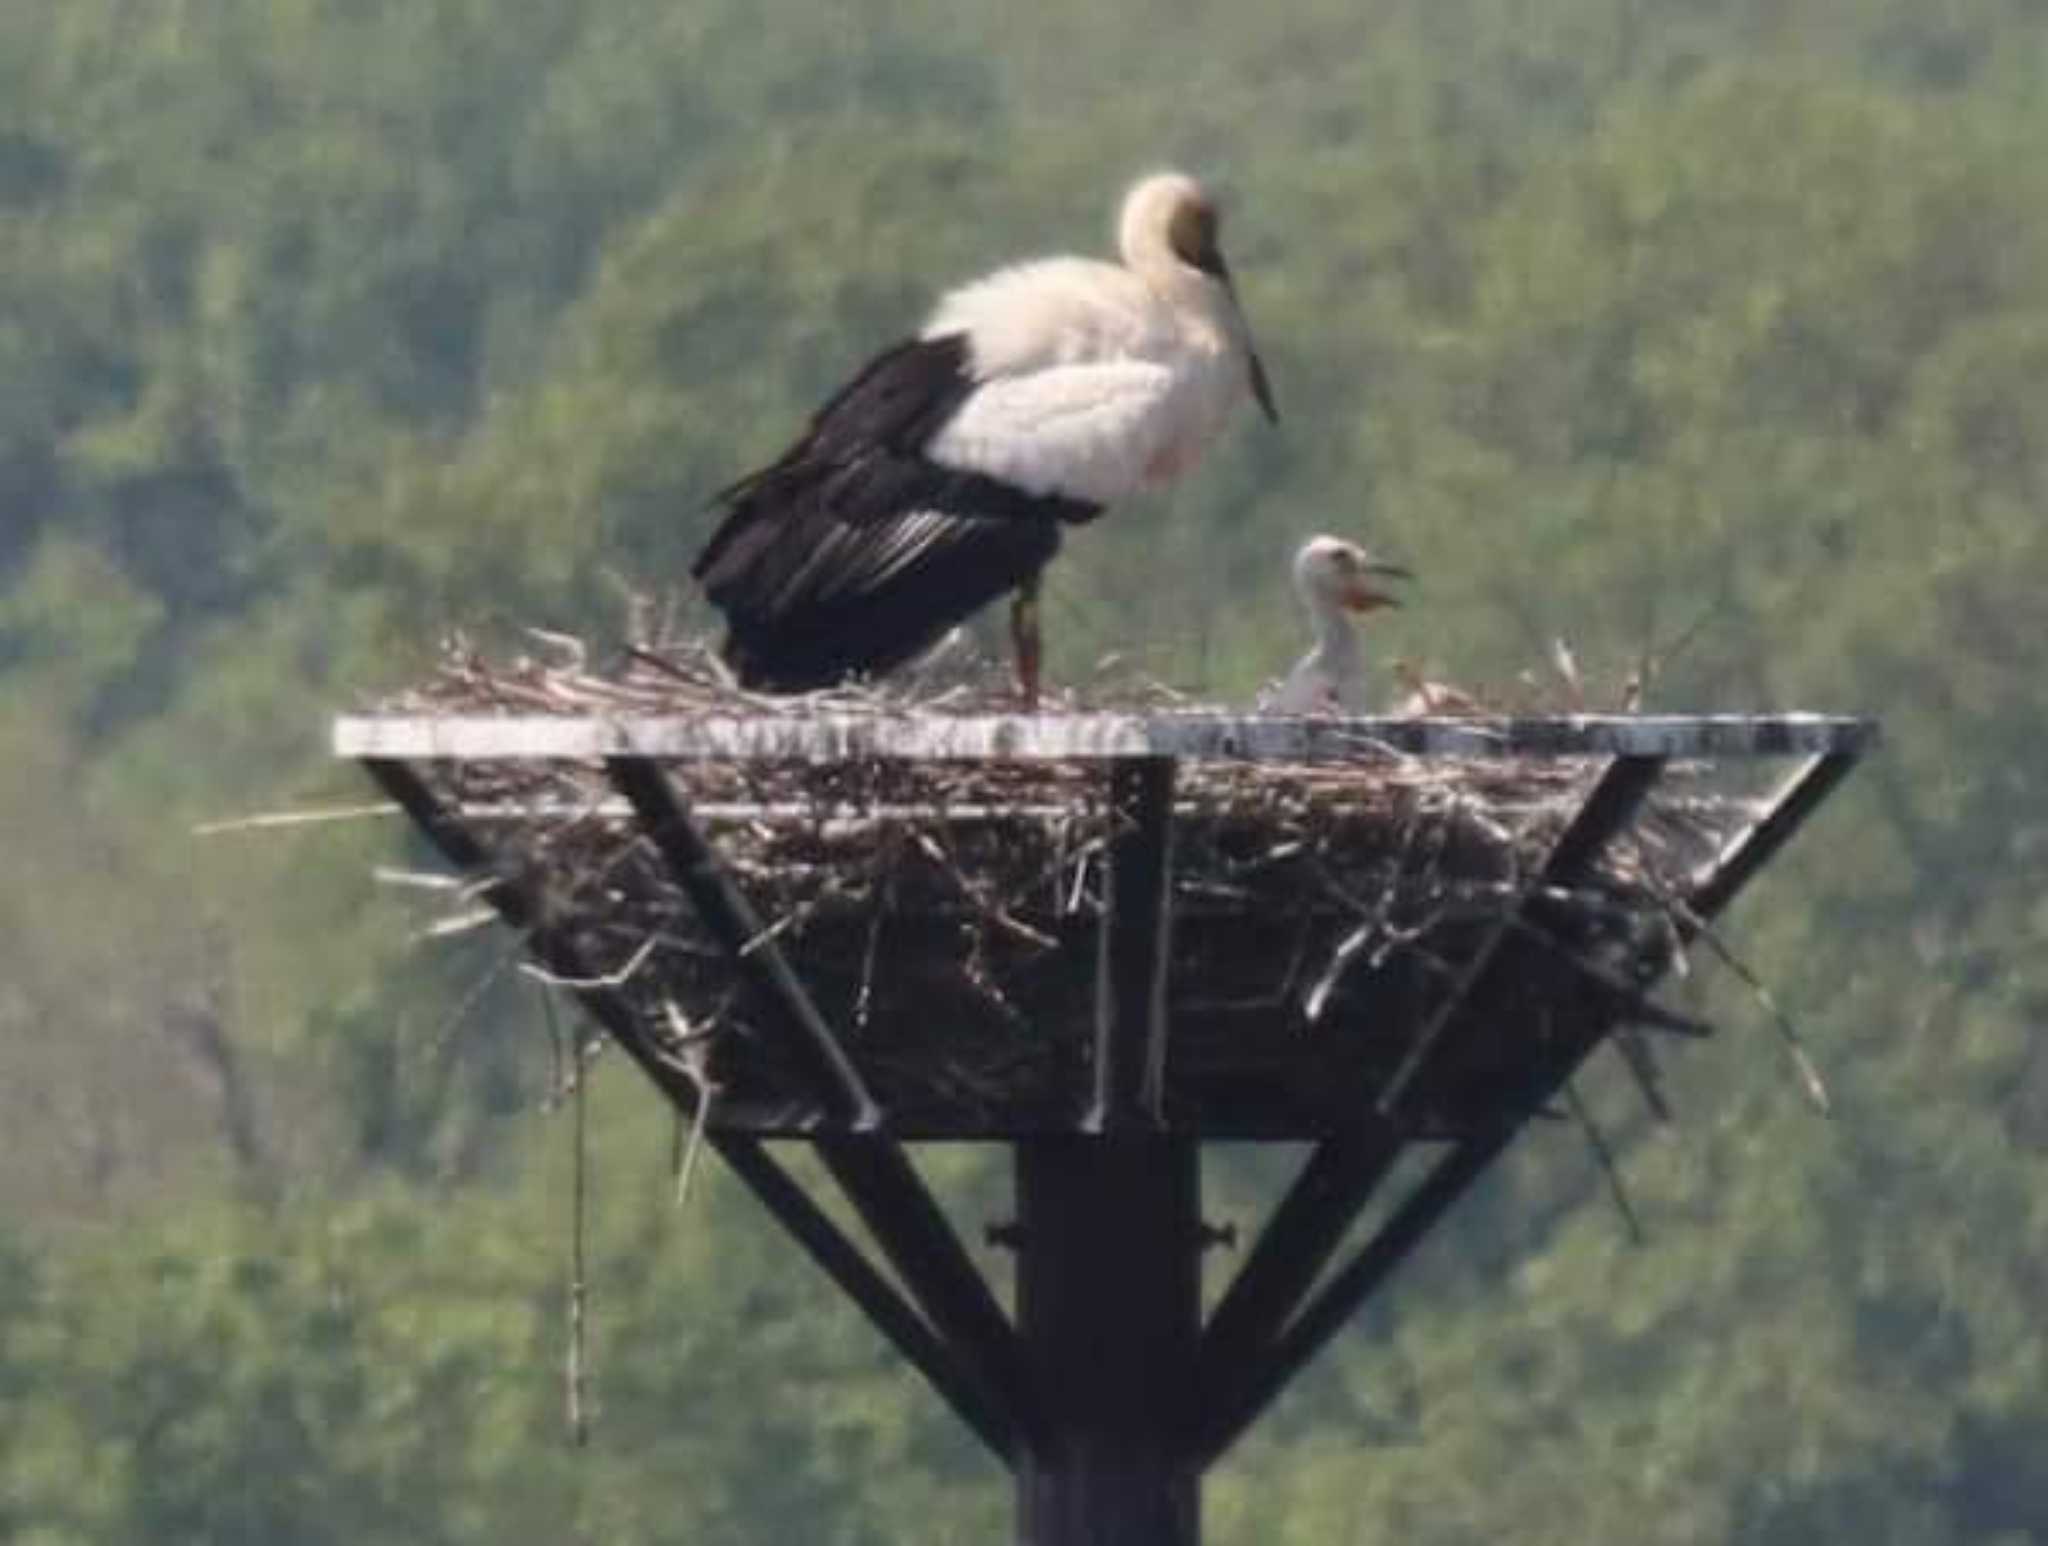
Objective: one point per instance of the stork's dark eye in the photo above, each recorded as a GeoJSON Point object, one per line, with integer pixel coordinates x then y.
{"type": "Point", "coordinates": [1193, 237]}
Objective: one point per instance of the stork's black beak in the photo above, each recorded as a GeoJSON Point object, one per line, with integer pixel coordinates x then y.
{"type": "Point", "coordinates": [1262, 389]}
{"type": "Point", "coordinates": [1209, 259]}
{"type": "Point", "coordinates": [1391, 571]}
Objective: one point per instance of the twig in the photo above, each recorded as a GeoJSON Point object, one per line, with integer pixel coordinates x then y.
{"type": "Point", "coordinates": [863, 1001]}
{"type": "Point", "coordinates": [1810, 1081]}
{"type": "Point", "coordinates": [576, 1367]}
{"type": "Point", "coordinates": [994, 912]}
{"type": "Point", "coordinates": [1603, 1156]}
{"type": "Point", "coordinates": [269, 820]}
{"type": "Point", "coordinates": [1425, 1039]}
{"type": "Point", "coordinates": [418, 880]}
{"type": "Point", "coordinates": [558, 1062]}
{"type": "Point", "coordinates": [1629, 997]}
{"type": "Point", "coordinates": [1636, 1055]}
{"type": "Point", "coordinates": [690, 1062]}
{"type": "Point", "coordinates": [442, 1039]}
{"type": "Point", "coordinates": [455, 923]}
{"type": "Point", "coordinates": [613, 979]}
{"type": "Point", "coordinates": [1375, 924]}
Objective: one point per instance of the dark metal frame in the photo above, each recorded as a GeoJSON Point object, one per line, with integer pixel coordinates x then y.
{"type": "Point", "coordinates": [1131, 963]}
{"type": "Point", "coordinates": [1107, 1394]}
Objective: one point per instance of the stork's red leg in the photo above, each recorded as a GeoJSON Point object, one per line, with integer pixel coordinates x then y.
{"type": "Point", "coordinates": [1025, 642]}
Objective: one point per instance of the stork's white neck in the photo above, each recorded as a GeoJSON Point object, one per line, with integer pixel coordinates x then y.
{"type": "Point", "coordinates": [1198, 302]}
{"type": "Point", "coordinates": [1336, 658]}
{"type": "Point", "coordinates": [1336, 638]}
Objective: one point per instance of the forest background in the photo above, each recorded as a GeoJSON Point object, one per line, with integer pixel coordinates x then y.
{"type": "Point", "coordinates": [326, 327]}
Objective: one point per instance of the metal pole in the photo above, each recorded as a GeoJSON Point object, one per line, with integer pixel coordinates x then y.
{"type": "Point", "coordinates": [1131, 959]}
{"type": "Point", "coordinates": [1109, 1308]}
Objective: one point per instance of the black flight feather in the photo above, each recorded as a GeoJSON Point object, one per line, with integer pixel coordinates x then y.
{"type": "Point", "coordinates": [853, 552]}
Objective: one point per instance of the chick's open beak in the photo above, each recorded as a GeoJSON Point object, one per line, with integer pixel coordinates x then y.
{"type": "Point", "coordinates": [1364, 596]}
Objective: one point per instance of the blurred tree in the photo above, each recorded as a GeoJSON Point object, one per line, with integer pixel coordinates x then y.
{"type": "Point", "coordinates": [325, 327]}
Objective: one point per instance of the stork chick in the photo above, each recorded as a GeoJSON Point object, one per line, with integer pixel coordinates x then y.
{"type": "Point", "coordinates": [1334, 579]}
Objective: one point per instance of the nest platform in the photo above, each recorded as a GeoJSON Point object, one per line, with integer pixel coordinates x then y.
{"type": "Point", "coordinates": [937, 922]}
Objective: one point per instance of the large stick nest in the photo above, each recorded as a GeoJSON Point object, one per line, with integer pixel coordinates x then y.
{"type": "Point", "coordinates": [944, 915]}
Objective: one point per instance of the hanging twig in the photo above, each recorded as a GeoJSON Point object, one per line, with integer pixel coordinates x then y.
{"type": "Point", "coordinates": [1815, 1088]}
{"type": "Point", "coordinates": [1636, 1057]}
{"type": "Point", "coordinates": [442, 1040]}
{"type": "Point", "coordinates": [1603, 1156]}
{"type": "Point", "coordinates": [558, 1058]}
{"type": "Point", "coordinates": [689, 1057]}
{"type": "Point", "coordinates": [576, 1367]}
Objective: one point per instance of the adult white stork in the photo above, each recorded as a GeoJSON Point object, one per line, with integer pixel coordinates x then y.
{"type": "Point", "coordinates": [1334, 579]}
{"type": "Point", "coordinates": [940, 477]}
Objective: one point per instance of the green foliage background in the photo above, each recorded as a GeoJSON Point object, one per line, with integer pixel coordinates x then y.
{"type": "Point", "coordinates": [324, 325]}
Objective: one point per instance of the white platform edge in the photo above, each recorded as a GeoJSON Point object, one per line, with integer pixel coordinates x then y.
{"type": "Point", "coordinates": [840, 737]}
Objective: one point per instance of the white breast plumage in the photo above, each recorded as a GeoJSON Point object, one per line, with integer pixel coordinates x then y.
{"type": "Point", "coordinates": [1088, 384]}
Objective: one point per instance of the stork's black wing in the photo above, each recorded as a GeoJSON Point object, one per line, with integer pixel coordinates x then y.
{"type": "Point", "coordinates": [854, 552]}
